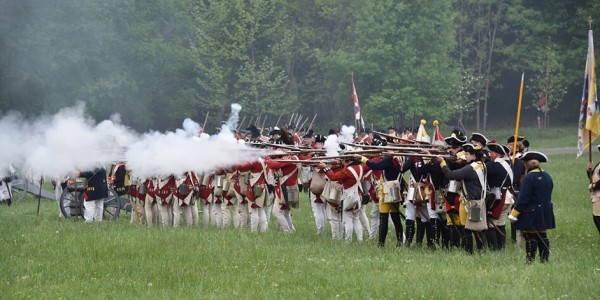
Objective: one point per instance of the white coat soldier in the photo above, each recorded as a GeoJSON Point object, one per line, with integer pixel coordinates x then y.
{"type": "Point", "coordinates": [317, 203]}
{"type": "Point", "coordinates": [205, 199]}
{"type": "Point", "coordinates": [256, 194]}
{"type": "Point", "coordinates": [593, 173]}
{"type": "Point", "coordinates": [349, 176]}
{"type": "Point", "coordinates": [95, 193]}
{"type": "Point", "coordinates": [472, 214]}
{"type": "Point", "coordinates": [286, 186]}
{"type": "Point", "coordinates": [164, 199]}
{"type": "Point", "coordinates": [184, 203]}
{"type": "Point", "coordinates": [5, 185]}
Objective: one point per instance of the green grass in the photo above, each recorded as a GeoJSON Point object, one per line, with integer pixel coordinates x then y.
{"type": "Point", "coordinates": [45, 257]}
{"type": "Point", "coordinates": [539, 138]}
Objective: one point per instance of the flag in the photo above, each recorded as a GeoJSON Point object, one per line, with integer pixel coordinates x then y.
{"type": "Point", "coordinates": [438, 137]}
{"type": "Point", "coordinates": [589, 113]}
{"type": "Point", "coordinates": [357, 113]}
{"type": "Point", "coordinates": [422, 135]}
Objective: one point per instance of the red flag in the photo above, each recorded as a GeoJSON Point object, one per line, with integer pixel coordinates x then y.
{"type": "Point", "coordinates": [438, 137]}
{"type": "Point", "coordinates": [357, 113]}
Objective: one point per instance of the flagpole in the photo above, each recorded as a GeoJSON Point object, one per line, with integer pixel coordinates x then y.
{"type": "Point", "coordinates": [515, 141]}
{"type": "Point", "coordinates": [587, 100]}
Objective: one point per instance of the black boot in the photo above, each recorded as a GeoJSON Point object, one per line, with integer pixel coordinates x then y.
{"type": "Point", "coordinates": [480, 239]}
{"type": "Point", "coordinates": [383, 228]}
{"type": "Point", "coordinates": [430, 234]}
{"type": "Point", "coordinates": [544, 246]}
{"type": "Point", "coordinates": [530, 246]}
{"type": "Point", "coordinates": [513, 234]}
{"type": "Point", "coordinates": [444, 233]}
{"type": "Point", "coordinates": [410, 231]}
{"type": "Point", "coordinates": [492, 239]}
{"type": "Point", "coordinates": [597, 222]}
{"type": "Point", "coordinates": [398, 227]}
{"type": "Point", "coordinates": [455, 236]}
{"type": "Point", "coordinates": [501, 237]}
{"type": "Point", "coordinates": [420, 232]}
{"type": "Point", "coordinates": [468, 241]}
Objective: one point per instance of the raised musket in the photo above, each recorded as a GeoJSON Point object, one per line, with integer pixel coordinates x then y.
{"type": "Point", "coordinates": [278, 119]}
{"type": "Point", "coordinates": [311, 122]}
{"type": "Point", "coordinates": [205, 119]}
{"type": "Point", "coordinates": [401, 139]}
{"type": "Point", "coordinates": [241, 123]}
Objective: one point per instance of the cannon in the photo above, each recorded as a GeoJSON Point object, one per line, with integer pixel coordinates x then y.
{"type": "Point", "coordinates": [71, 201]}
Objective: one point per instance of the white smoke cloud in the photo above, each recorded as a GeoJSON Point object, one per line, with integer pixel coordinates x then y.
{"type": "Point", "coordinates": [331, 145]}
{"type": "Point", "coordinates": [54, 146]}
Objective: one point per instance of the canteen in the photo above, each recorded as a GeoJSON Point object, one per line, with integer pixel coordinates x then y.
{"type": "Point", "coordinates": [205, 179]}
{"type": "Point", "coordinates": [182, 189]}
{"type": "Point", "coordinates": [226, 185]}
{"type": "Point", "coordinates": [497, 193]}
{"type": "Point", "coordinates": [219, 182]}
{"type": "Point", "coordinates": [453, 186]}
{"type": "Point", "coordinates": [410, 194]}
{"type": "Point", "coordinates": [335, 195]}
{"type": "Point", "coordinates": [142, 189]}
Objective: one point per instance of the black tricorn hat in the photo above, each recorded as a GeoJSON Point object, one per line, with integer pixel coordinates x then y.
{"type": "Point", "coordinates": [456, 138]}
{"type": "Point", "coordinates": [530, 155]}
{"type": "Point", "coordinates": [478, 137]}
{"type": "Point", "coordinates": [309, 134]}
{"type": "Point", "coordinates": [320, 138]}
{"type": "Point", "coordinates": [253, 131]}
{"type": "Point", "coordinates": [378, 141]}
{"type": "Point", "coordinates": [471, 148]}
{"type": "Point", "coordinates": [498, 148]}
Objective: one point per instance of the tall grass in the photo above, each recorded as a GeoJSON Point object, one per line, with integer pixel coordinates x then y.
{"type": "Point", "coordinates": [45, 257]}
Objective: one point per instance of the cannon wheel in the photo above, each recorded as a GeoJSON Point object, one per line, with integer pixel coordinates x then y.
{"type": "Point", "coordinates": [18, 189]}
{"type": "Point", "coordinates": [73, 199]}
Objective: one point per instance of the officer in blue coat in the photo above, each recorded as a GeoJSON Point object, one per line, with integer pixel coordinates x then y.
{"type": "Point", "coordinates": [533, 213]}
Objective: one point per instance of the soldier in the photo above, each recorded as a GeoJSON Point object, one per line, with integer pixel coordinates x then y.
{"type": "Point", "coordinates": [593, 173]}
{"type": "Point", "coordinates": [164, 199]}
{"type": "Point", "coordinates": [183, 200]}
{"type": "Point", "coordinates": [519, 171]}
{"type": "Point", "coordinates": [452, 189]}
{"type": "Point", "coordinates": [391, 167]}
{"type": "Point", "coordinates": [205, 199]}
{"type": "Point", "coordinates": [286, 186]}
{"type": "Point", "coordinates": [350, 177]}
{"type": "Point", "coordinates": [420, 206]}
{"type": "Point", "coordinates": [317, 203]}
{"type": "Point", "coordinates": [95, 193]}
{"type": "Point", "coordinates": [257, 194]}
{"type": "Point", "coordinates": [472, 213]}
{"type": "Point", "coordinates": [499, 180]}
{"type": "Point", "coordinates": [533, 213]}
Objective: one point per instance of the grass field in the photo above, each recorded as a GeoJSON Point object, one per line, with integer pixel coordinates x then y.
{"type": "Point", "coordinates": [539, 138]}
{"type": "Point", "coordinates": [44, 257]}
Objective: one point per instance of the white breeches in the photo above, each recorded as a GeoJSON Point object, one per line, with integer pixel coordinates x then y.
{"type": "Point", "coordinates": [351, 221]}
{"type": "Point", "coordinates": [93, 210]}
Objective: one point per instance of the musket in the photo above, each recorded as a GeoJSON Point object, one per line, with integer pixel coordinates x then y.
{"type": "Point", "coordinates": [411, 147]}
{"type": "Point", "coordinates": [302, 125]}
{"type": "Point", "coordinates": [401, 139]}
{"type": "Point", "coordinates": [241, 123]}
{"type": "Point", "coordinates": [205, 119]}
{"type": "Point", "coordinates": [291, 118]}
{"type": "Point", "coordinates": [250, 122]}
{"type": "Point", "coordinates": [278, 119]}
{"type": "Point", "coordinates": [257, 120]}
{"type": "Point", "coordinates": [263, 123]}
{"type": "Point", "coordinates": [311, 122]}
{"type": "Point", "coordinates": [298, 120]}
{"type": "Point", "coordinates": [449, 157]}
{"type": "Point", "coordinates": [281, 146]}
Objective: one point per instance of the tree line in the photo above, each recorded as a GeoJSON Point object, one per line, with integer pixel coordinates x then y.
{"type": "Point", "coordinates": [157, 62]}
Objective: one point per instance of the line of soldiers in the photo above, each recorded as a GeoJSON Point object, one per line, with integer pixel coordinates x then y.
{"type": "Point", "coordinates": [435, 201]}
